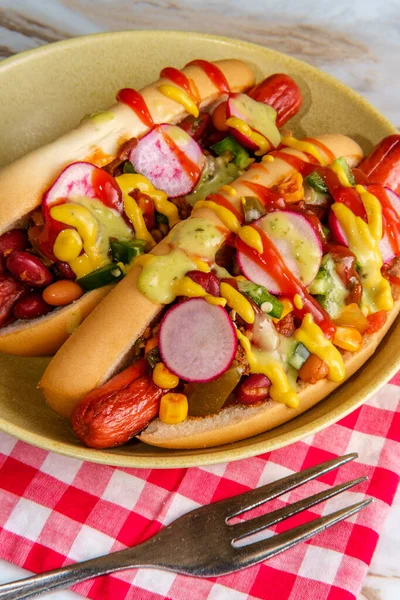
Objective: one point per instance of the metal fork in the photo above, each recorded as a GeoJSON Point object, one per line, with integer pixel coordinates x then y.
{"type": "Point", "coordinates": [203, 543]}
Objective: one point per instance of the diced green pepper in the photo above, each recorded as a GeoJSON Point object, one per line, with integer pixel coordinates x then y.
{"type": "Point", "coordinates": [328, 288]}
{"type": "Point", "coordinates": [103, 276]}
{"type": "Point", "coordinates": [317, 183]}
{"type": "Point", "coordinates": [252, 209]}
{"type": "Point", "coordinates": [261, 296]}
{"type": "Point", "coordinates": [208, 398]}
{"type": "Point", "coordinates": [299, 356]}
{"type": "Point", "coordinates": [161, 219]}
{"type": "Point", "coordinates": [153, 357]}
{"type": "Point", "coordinates": [229, 144]}
{"type": "Point", "coordinates": [125, 251]}
{"type": "Point", "coordinates": [341, 161]}
{"type": "Point", "coordinates": [128, 167]}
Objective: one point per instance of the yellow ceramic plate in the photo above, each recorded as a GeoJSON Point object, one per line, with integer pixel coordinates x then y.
{"type": "Point", "coordinates": [45, 92]}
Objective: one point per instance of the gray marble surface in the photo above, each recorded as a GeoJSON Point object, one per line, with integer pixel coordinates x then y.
{"type": "Point", "coordinates": [358, 42]}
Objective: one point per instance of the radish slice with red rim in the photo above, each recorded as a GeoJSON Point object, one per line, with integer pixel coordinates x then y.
{"type": "Point", "coordinates": [170, 159]}
{"type": "Point", "coordinates": [257, 115]}
{"type": "Point", "coordinates": [297, 243]}
{"type": "Point", "coordinates": [197, 340]}
{"type": "Point", "coordinates": [83, 179]}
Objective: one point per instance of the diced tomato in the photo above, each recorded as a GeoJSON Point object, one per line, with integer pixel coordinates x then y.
{"type": "Point", "coordinates": [376, 321]}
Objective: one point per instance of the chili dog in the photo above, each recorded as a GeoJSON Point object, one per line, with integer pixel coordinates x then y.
{"type": "Point", "coordinates": [70, 388]}
{"type": "Point", "coordinates": [81, 164]}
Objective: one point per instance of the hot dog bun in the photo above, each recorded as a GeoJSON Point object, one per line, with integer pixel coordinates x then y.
{"type": "Point", "coordinates": [70, 375]}
{"type": "Point", "coordinates": [240, 422]}
{"type": "Point", "coordinates": [96, 141]}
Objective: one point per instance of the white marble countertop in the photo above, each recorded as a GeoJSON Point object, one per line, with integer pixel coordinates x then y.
{"type": "Point", "coordinates": [357, 42]}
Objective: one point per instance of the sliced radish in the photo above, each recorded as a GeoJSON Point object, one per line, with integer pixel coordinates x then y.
{"type": "Point", "coordinates": [197, 340]}
{"type": "Point", "coordinates": [297, 243]}
{"type": "Point", "coordinates": [390, 202]}
{"type": "Point", "coordinates": [83, 179]}
{"type": "Point", "coordinates": [170, 158]}
{"type": "Point", "coordinates": [257, 115]}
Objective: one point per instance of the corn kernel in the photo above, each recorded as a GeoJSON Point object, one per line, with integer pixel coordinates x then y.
{"type": "Point", "coordinates": [68, 245]}
{"type": "Point", "coordinates": [151, 344]}
{"type": "Point", "coordinates": [348, 338]}
{"type": "Point", "coordinates": [163, 378]}
{"type": "Point", "coordinates": [173, 408]}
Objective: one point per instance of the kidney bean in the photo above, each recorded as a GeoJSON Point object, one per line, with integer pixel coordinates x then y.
{"type": "Point", "coordinates": [10, 292]}
{"type": "Point", "coordinates": [63, 270]}
{"type": "Point", "coordinates": [16, 239]}
{"type": "Point", "coordinates": [255, 388]}
{"type": "Point", "coordinates": [2, 266]}
{"type": "Point", "coordinates": [28, 269]}
{"type": "Point", "coordinates": [62, 292]}
{"type": "Point", "coordinates": [31, 306]}
{"type": "Point", "coordinates": [208, 281]}
{"type": "Point", "coordinates": [196, 127]}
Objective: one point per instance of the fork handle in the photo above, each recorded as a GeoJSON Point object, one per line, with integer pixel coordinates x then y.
{"type": "Point", "coordinates": [71, 574]}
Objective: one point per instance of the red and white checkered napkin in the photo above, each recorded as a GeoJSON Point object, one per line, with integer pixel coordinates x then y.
{"type": "Point", "coordinates": [55, 510]}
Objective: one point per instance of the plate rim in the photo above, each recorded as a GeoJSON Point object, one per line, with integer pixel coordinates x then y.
{"type": "Point", "coordinates": [220, 454]}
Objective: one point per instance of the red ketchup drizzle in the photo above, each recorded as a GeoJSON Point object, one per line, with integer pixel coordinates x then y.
{"type": "Point", "coordinates": [135, 101]}
{"type": "Point", "coordinates": [271, 261]}
{"type": "Point", "coordinates": [390, 217]}
{"type": "Point", "coordinates": [213, 73]}
{"type": "Point", "coordinates": [222, 201]}
{"type": "Point", "coordinates": [180, 80]}
{"type": "Point", "coordinates": [191, 169]}
{"type": "Point", "coordinates": [107, 190]}
{"type": "Point", "coordinates": [268, 197]}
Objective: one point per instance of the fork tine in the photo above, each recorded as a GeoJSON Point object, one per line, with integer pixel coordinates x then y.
{"type": "Point", "coordinates": [240, 504]}
{"type": "Point", "coordinates": [252, 526]}
{"type": "Point", "coordinates": [259, 551]}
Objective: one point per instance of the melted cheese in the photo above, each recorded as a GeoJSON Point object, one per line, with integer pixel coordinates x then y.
{"type": "Point", "coordinates": [251, 237]}
{"type": "Point", "coordinates": [95, 223]}
{"type": "Point", "coordinates": [198, 237]}
{"type": "Point", "coordinates": [180, 96]}
{"type": "Point", "coordinates": [227, 217]}
{"type": "Point", "coordinates": [261, 362]}
{"type": "Point", "coordinates": [160, 274]}
{"type": "Point", "coordinates": [306, 147]}
{"type": "Point", "coordinates": [313, 338]}
{"type": "Point", "coordinates": [364, 242]}
{"type": "Point", "coordinates": [258, 139]}
{"type": "Point", "coordinates": [238, 302]}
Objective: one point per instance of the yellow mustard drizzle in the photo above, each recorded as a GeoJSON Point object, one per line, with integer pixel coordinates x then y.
{"type": "Point", "coordinates": [190, 289]}
{"type": "Point", "coordinates": [258, 139]}
{"type": "Point", "coordinates": [95, 246]}
{"type": "Point", "coordinates": [314, 339]}
{"type": "Point", "coordinates": [251, 237]}
{"type": "Point", "coordinates": [180, 96]}
{"type": "Point", "coordinates": [280, 390]}
{"type": "Point", "coordinates": [228, 189]}
{"type": "Point", "coordinates": [133, 181]}
{"type": "Point", "coordinates": [306, 147]}
{"type": "Point", "coordinates": [227, 217]}
{"type": "Point", "coordinates": [364, 242]}
{"type": "Point", "coordinates": [68, 245]}
{"type": "Point", "coordinates": [237, 302]}
{"type": "Point", "coordinates": [341, 173]}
